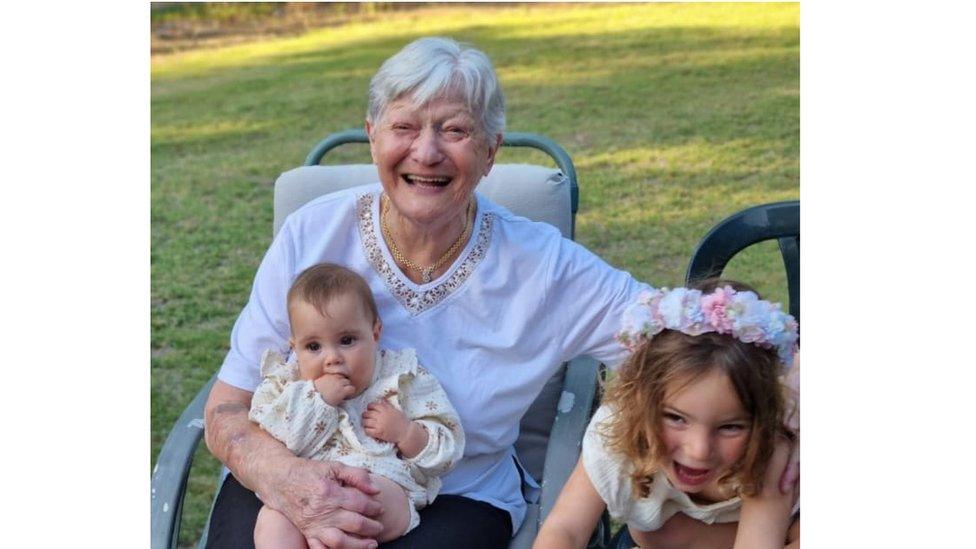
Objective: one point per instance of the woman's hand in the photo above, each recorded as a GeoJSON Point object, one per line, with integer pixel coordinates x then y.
{"type": "Point", "coordinates": [792, 384]}
{"type": "Point", "coordinates": [766, 517]}
{"type": "Point", "coordinates": [327, 501]}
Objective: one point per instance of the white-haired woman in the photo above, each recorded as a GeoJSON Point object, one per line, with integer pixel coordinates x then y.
{"type": "Point", "coordinates": [492, 303]}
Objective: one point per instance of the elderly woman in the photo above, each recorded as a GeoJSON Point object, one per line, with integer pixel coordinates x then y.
{"type": "Point", "coordinates": [492, 302]}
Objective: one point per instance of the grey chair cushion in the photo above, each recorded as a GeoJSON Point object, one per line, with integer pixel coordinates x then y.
{"type": "Point", "coordinates": [536, 425]}
{"type": "Point", "coordinates": [535, 192]}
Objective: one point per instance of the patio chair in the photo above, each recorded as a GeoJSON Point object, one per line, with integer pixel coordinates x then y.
{"type": "Point", "coordinates": [551, 430]}
{"type": "Point", "coordinates": [778, 220]}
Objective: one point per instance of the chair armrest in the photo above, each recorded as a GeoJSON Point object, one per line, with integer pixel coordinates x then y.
{"type": "Point", "coordinates": [172, 468]}
{"type": "Point", "coordinates": [525, 536]}
{"type": "Point", "coordinates": [572, 417]}
{"type": "Point", "coordinates": [565, 439]}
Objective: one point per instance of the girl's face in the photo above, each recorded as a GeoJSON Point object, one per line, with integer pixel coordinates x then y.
{"type": "Point", "coordinates": [705, 431]}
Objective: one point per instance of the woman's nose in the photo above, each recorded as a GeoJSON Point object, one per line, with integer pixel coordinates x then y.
{"type": "Point", "coordinates": [427, 147]}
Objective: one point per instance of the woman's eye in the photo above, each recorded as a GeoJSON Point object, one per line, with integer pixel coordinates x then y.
{"type": "Point", "coordinates": [347, 340]}
{"type": "Point", "coordinates": [313, 347]}
{"type": "Point", "coordinates": [455, 133]}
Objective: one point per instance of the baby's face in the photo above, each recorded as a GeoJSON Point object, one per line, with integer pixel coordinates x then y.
{"type": "Point", "coordinates": [341, 341]}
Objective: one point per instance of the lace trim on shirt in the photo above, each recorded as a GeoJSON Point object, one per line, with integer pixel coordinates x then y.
{"type": "Point", "coordinates": [412, 300]}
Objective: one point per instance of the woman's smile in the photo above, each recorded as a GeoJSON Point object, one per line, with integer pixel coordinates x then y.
{"type": "Point", "coordinates": [427, 181]}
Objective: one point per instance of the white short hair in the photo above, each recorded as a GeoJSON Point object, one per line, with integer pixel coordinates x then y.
{"type": "Point", "coordinates": [428, 67]}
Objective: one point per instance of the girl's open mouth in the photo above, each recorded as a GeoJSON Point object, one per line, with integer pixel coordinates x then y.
{"type": "Point", "coordinates": [689, 475]}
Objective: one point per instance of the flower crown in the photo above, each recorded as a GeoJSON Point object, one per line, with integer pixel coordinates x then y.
{"type": "Point", "coordinates": [725, 311]}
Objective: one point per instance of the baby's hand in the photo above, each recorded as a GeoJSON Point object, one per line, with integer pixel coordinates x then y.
{"type": "Point", "coordinates": [334, 388]}
{"type": "Point", "coordinates": [385, 422]}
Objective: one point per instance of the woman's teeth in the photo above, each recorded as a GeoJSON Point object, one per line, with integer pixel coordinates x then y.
{"type": "Point", "coordinates": [427, 181]}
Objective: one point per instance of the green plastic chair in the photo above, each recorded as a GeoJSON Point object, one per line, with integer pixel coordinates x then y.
{"type": "Point", "coordinates": [778, 221]}
{"type": "Point", "coordinates": [551, 430]}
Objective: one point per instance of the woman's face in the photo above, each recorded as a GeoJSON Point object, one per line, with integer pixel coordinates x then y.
{"type": "Point", "coordinates": [430, 157]}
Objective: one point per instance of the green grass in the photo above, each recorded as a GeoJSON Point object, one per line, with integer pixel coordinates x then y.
{"type": "Point", "coordinates": [676, 115]}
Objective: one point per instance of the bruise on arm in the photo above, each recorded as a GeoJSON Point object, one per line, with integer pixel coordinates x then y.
{"type": "Point", "coordinates": [234, 439]}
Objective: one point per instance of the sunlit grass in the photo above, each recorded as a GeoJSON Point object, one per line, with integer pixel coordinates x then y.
{"type": "Point", "coordinates": [677, 115]}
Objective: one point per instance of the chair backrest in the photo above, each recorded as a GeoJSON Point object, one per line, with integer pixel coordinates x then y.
{"type": "Point", "coordinates": [779, 221]}
{"type": "Point", "coordinates": [535, 192]}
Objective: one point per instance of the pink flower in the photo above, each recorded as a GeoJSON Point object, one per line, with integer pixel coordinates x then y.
{"type": "Point", "coordinates": [714, 305]}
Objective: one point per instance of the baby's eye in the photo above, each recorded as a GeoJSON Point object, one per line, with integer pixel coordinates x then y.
{"type": "Point", "coordinates": [347, 340]}
{"type": "Point", "coordinates": [313, 347]}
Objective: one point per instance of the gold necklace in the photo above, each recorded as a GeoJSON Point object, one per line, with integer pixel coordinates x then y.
{"type": "Point", "coordinates": [425, 272]}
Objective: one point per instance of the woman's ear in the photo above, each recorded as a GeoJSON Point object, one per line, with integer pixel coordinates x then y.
{"type": "Point", "coordinates": [492, 151]}
{"type": "Point", "coordinates": [369, 134]}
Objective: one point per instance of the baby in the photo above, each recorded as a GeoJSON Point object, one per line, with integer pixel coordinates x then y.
{"type": "Point", "coordinates": [347, 400]}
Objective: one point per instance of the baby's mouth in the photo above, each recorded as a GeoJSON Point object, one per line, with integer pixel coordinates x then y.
{"type": "Point", "coordinates": [690, 475]}
{"type": "Point", "coordinates": [427, 181]}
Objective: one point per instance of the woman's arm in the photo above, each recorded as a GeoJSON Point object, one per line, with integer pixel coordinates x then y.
{"type": "Point", "coordinates": [325, 500]}
{"type": "Point", "coordinates": [575, 515]}
{"type": "Point", "coordinates": [295, 413]}
{"type": "Point", "coordinates": [765, 518]}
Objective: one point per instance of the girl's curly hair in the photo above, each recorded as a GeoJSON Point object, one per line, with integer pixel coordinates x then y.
{"type": "Point", "coordinates": [674, 359]}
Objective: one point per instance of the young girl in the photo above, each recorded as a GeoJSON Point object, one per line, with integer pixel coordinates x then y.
{"type": "Point", "coordinates": [348, 401]}
{"type": "Point", "coordinates": [692, 424]}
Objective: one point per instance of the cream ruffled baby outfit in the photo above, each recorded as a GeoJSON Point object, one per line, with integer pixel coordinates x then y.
{"type": "Point", "coordinates": [294, 412]}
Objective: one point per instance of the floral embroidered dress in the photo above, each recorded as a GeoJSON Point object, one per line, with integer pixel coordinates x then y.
{"type": "Point", "coordinates": [293, 411]}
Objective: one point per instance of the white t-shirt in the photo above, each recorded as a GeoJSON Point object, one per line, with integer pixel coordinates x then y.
{"type": "Point", "coordinates": [519, 301]}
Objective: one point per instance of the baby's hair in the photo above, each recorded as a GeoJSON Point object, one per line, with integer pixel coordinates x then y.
{"type": "Point", "coordinates": [321, 283]}
{"type": "Point", "coordinates": [674, 359]}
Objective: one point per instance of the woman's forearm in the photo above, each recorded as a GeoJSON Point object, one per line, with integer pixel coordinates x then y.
{"type": "Point", "coordinates": [761, 530]}
{"type": "Point", "coordinates": [246, 449]}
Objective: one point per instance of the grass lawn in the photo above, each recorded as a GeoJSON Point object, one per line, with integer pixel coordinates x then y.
{"type": "Point", "coordinates": [676, 115]}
